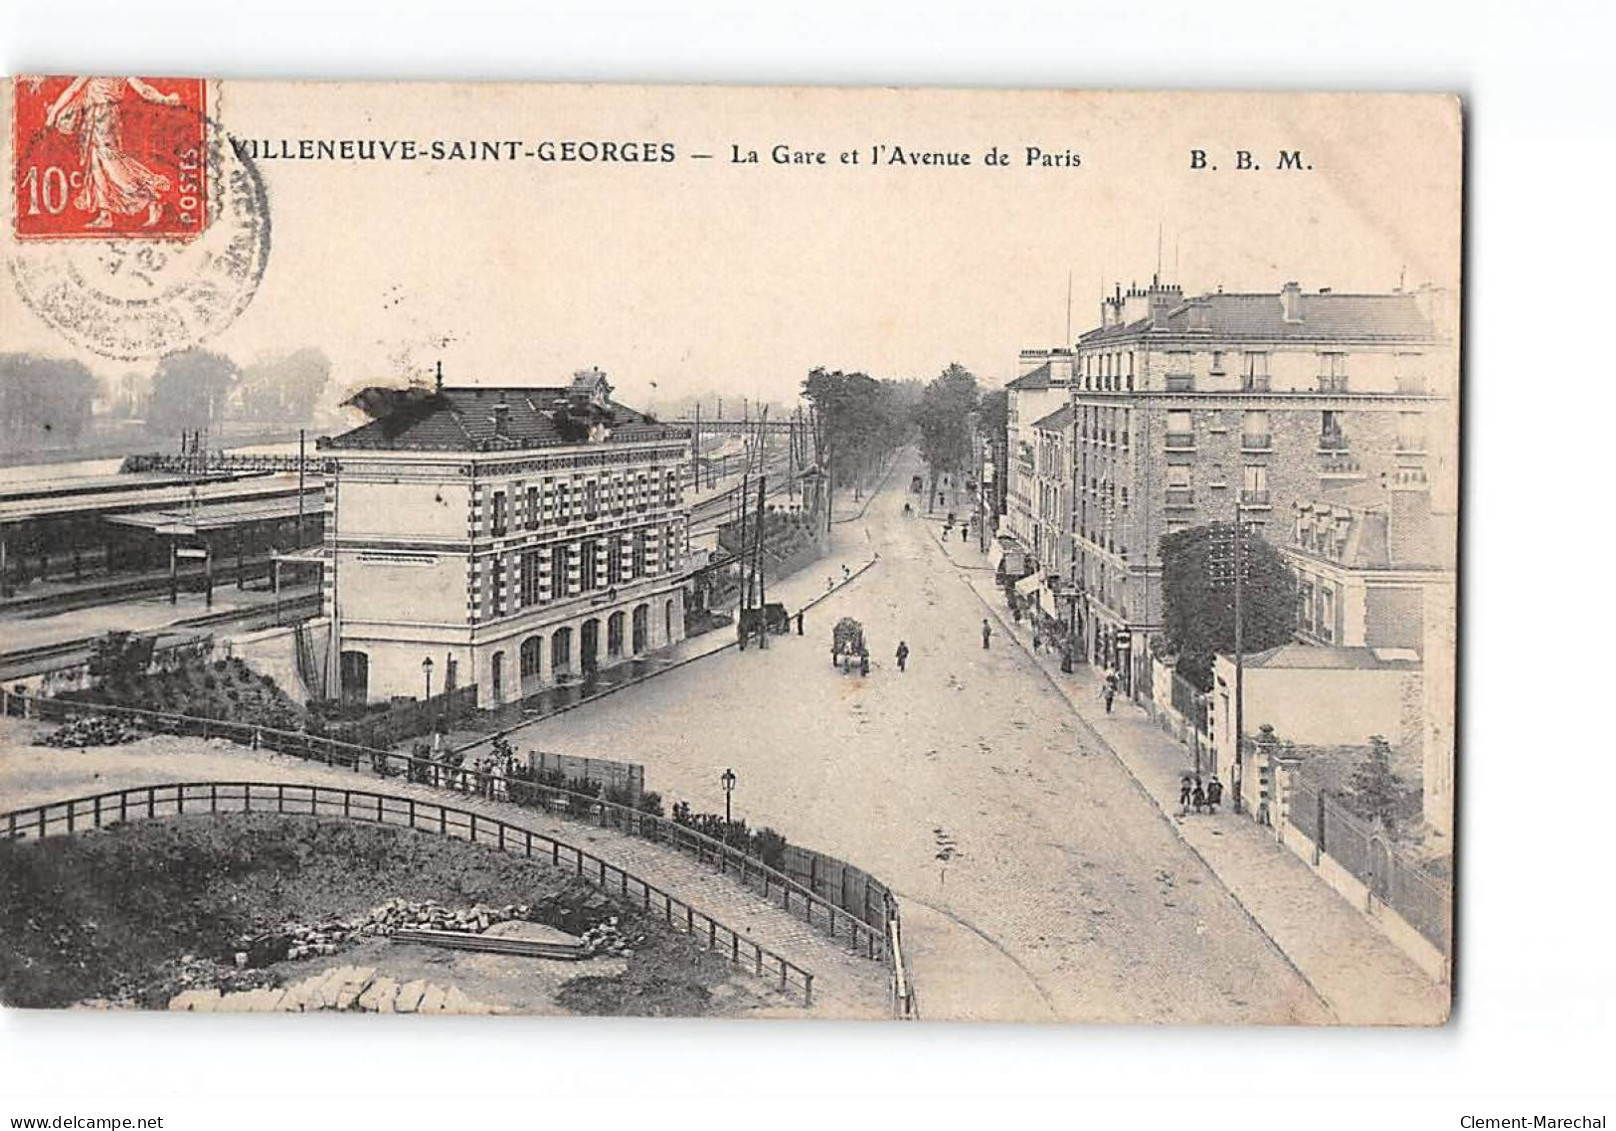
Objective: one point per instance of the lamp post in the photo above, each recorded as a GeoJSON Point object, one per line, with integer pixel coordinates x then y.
{"type": "Point", "coordinates": [729, 787]}
{"type": "Point", "coordinates": [426, 670]}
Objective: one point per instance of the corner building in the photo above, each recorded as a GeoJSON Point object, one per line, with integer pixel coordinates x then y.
{"type": "Point", "coordinates": [1185, 406]}
{"type": "Point", "coordinates": [518, 537]}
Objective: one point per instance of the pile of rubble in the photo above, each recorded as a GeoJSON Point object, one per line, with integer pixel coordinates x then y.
{"type": "Point", "coordinates": [340, 988]}
{"type": "Point", "coordinates": [299, 940]}
{"type": "Point", "coordinates": [92, 730]}
{"type": "Point", "coordinates": [606, 938]}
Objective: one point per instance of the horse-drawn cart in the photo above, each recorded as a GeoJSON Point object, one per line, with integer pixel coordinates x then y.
{"type": "Point", "coordinates": [847, 648]}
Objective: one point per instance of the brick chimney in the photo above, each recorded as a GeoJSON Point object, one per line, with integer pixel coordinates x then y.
{"type": "Point", "coordinates": [1408, 519]}
{"type": "Point", "coordinates": [1060, 367]}
{"type": "Point", "coordinates": [1030, 360]}
{"type": "Point", "coordinates": [1290, 301]}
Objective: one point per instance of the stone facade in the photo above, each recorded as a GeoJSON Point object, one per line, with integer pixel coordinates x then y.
{"type": "Point", "coordinates": [513, 569]}
{"type": "Point", "coordinates": [1185, 408]}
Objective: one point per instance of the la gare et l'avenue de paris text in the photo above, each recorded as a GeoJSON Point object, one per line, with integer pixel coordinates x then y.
{"type": "Point", "coordinates": [882, 155]}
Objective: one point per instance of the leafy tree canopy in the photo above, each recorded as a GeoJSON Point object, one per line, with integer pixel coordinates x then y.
{"type": "Point", "coordinates": [1198, 597]}
{"type": "Point", "coordinates": [189, 391]}
{"type": "Point", "coordinates": [44, 400]}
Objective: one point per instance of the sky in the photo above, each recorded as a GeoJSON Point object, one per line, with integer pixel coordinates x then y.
{"type": "Point", "coordinates": [711, 276]}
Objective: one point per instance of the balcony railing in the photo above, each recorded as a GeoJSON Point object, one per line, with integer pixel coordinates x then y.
{"type": "Point", "coordinates": [1410, 445]}
{"type": "Point", "coordinates": [1253, 498]}
{"type": "Point", "coordinates": [1180, 497]}
{"type": "Point", "coordinates": [1332, 382]}
{"type": "Point", "coordinates": [1256, 441]}
{"type": "Point", "coordinates": [1254, 383]}
{"type": "Point", "coordinates": [1181, 440]}
{"type": "Point", "coordinates": [1332, 442]}
{"type": "Point", "coordinates": [1180, 382]}
{"type": "Point", "coordinates": [1408, 384]}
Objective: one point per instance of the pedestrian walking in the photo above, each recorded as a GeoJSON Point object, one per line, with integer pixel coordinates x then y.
{"type": "Point", "coordinates": [846, 573]}
{"type": "Point", "coordinates": [987, 633]}
{"type": "Point", "coordinates": [1108, 692]}
{"type": "Point", "coordinates": [903, 654]}
{"type": "Point", "coordinates": [1214, 794]}
{"type": "Point", "coordinates": [799, 622]}
{"type": "Point", "coordinates": [1198, 797]}
{"type": "Point", "coordinates": [1185, 789]}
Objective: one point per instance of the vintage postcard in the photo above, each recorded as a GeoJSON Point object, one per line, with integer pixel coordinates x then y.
{"type": "Point", "coordinates": [698, 551]}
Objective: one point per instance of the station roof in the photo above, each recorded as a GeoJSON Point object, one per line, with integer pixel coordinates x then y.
{"type": "Point", "coordinates": [174, 494]}
{"type": "Point", "coordinates": [495, 418]}
{"type": "Point", "coordinates": [222, 515]}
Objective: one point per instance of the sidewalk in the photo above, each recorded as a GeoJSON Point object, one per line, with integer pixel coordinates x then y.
{"type": "Point", "coordinates": [1362, 976]}
{"type": "Point", "coordinates": [800, 592]}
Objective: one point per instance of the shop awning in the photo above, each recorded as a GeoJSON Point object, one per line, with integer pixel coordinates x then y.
{"type": "Point", "coordinates": [1027, 585]}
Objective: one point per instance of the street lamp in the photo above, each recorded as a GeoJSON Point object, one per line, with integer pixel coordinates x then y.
{"type": "Point", "coordinates": [729, 787]}
{"type": "Point", "coordinates": [426, 670]}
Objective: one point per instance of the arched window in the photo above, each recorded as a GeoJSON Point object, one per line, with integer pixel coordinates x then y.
{"type": "Point", "coordinates": [614, 634]}
{"type": "Point", "coordinates": [642, 618]}
{"type": "Point", "coordinates": [561, 650]}
{"type": "Point", "coordinates": [532, 657]}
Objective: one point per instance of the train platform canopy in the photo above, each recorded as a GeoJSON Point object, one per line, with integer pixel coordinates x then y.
{"type": "Point", "coordinates": [170, 495]}
{"type": "Point", "coordinates": [213, 517]}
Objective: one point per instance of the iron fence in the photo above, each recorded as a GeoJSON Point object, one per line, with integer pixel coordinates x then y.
{"type": "Point", "coordinates": [1424, 900]}
{"type": "Point", "coordinates": [863, 927]}
{"type": "Point", "coordinates": [178, 798]}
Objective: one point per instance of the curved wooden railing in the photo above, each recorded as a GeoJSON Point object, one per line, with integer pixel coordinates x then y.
{"type": "Point", "coordinates": [178, 798]}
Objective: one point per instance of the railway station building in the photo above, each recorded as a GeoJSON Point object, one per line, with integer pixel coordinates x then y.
{"type": "Point", "coordinates": [516, 537]}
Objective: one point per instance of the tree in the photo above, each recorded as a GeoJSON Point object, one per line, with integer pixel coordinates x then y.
{"type": "Point", "coordinates": [944, 420]}
{"type": "Point", "coordinates": [285, 388]}
{"type": "Point", "coordinates": [1374, 790]}
{"type": "Point", "coordinates": [993, 424]}
{"type": "Point", "coordinates": [44, 401]}
{"type": "Point", "coordinates": [856, 417]}
{"type": "Point", "coordinates": [189, 391]}
{"type": "Point", "coordinates": [1198, 597]}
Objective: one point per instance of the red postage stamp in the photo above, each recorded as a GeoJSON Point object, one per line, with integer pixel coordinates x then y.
{"type": "Point", "coordinates": [109, 157]}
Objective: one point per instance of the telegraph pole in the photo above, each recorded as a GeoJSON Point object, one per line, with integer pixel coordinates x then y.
{"type": "Point", "coordinates": [1239, 661]}
{"type": "Point", "coordinates": [746, 577]}
{"type": "Point", "coordinates": [302, 433]}
{"type": "Point", "coordinates": [762, 604]}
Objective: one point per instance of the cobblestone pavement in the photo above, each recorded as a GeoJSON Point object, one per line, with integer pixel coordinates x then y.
{"type": "Point", "coordinates": [845, 985]}
{"type": "Point", "coordinates": [1363, 977]}
{"type": "Point", "coordinates": [1038, 881]}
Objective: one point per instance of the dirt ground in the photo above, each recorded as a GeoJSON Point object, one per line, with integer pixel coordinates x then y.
{"type": "Point", "coordinates": [108, 916]}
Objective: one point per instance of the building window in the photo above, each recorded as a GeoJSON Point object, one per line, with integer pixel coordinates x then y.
{"type": "Point", "coordinates": [1410, 432]}
{"type": "Point", "coordinates": [530, 578]}
{"type": "Point", "coordinates": [1178, 476]}
{"type": "Point", "coordinates": [533, 515]}
{"type": "Point", "coordinates": [501, 519]}
{"type": "Point", "coordinates": [1332, 372]}
{"type": "Point", "coordinates": [1254, 491]}
{"type": "Point", "coordinates": [1254, 430]}
{"type": "Point", "coordinates": [639, 553]}
{"type": "Point", "coordinates": [558, 571]}
{"type": "Point", "coordinates": [1410, 373]}
{"type": "Point", "coordinates": [591, 501]}
{"type": "Point", "coordinates": [1180, 430]}
{"type": "Point", "coordinates": [1331, 436]}
{"type": "Point", "coordinates": [614, 561]}
{"type": "Point", "coordinates": [497, 670]}
{"type": "Point", "coordinates": [532, 656]}
{"type": "Point", "coordinates": [563, 503]}
{"type": "Point", "coordinates": [496, 584]}
{"type": "Point", "coordinates": [1254, 377]}
{"type": "Point", "coordinates": [590, 578]}
{"type": "Point", "coordinates": [1217, 363]}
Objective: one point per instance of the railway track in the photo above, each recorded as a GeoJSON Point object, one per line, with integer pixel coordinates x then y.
{"type": "Point", "coordinates": [21, 663]}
